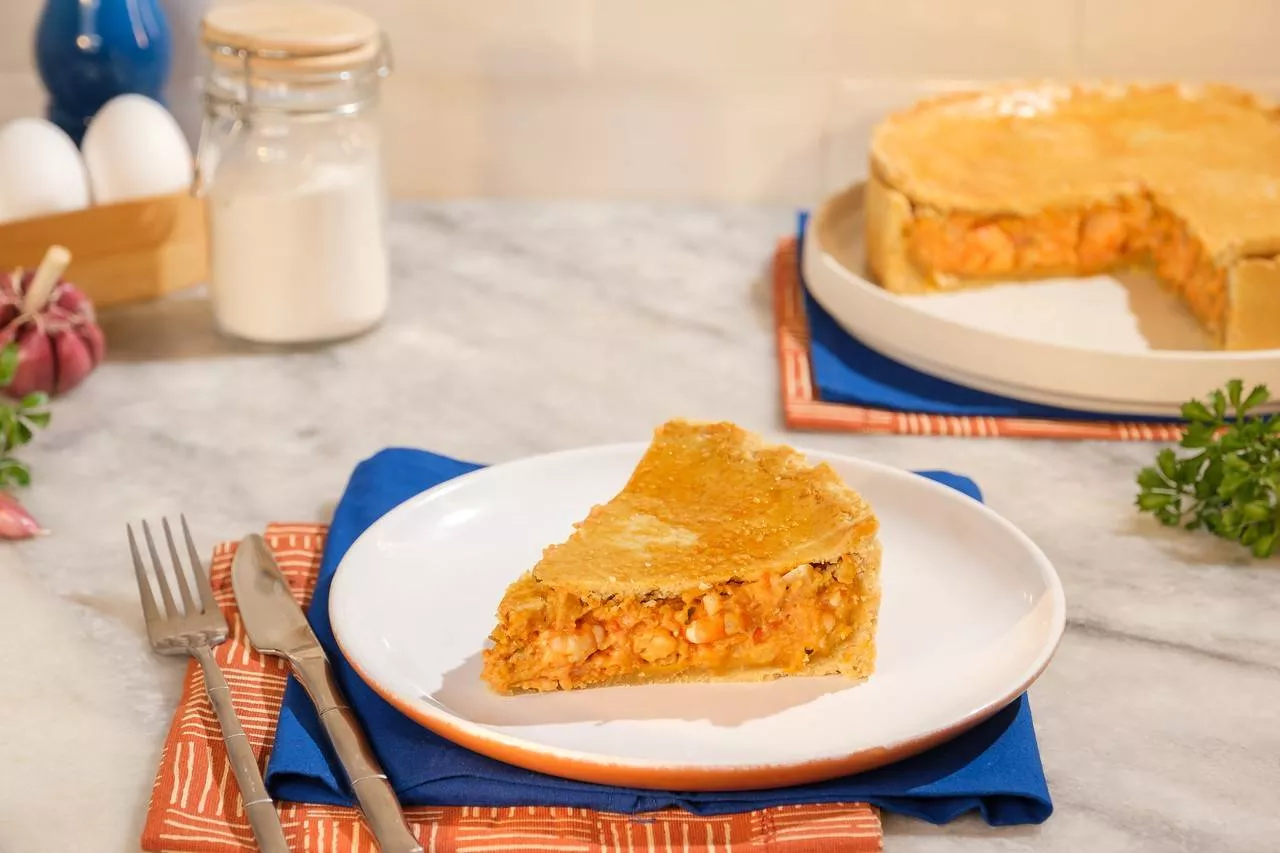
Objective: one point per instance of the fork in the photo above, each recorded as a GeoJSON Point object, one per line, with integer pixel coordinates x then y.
{"type": "Point", "coordinates": [194, 630]}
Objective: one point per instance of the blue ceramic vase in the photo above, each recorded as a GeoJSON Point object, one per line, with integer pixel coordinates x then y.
{"type": "Point", "coordinates": [89, 51]}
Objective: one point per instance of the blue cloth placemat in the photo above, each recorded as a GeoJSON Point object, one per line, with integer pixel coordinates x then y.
{"type": "Point", "coordinates": [994, 769]}
{"type": "Point", "coordinates": [847, 371]}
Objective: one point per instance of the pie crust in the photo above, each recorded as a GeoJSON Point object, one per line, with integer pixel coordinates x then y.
{"type": "Point", "coordinates": [1027, 181]}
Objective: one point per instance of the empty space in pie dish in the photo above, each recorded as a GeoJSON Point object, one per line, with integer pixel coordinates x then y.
{"type": "Point", "coordinates": [1131, 312]}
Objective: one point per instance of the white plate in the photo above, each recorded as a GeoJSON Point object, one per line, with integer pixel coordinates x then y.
{"type": "Point", "coordinates": [1110, 344]}
{"type": "Point", "coordinates": [972, 611]}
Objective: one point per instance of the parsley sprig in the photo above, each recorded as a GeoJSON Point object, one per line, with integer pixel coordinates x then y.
{"type": "Point", "coordinates": [18, 423]}
{"type": "Point", "coordinates": [1230, 485]}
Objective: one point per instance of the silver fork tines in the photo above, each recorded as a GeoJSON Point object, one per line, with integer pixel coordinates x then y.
{"type": "Point", "coordinates": [194, 628]}
{"type": "Point", "coordinates": [195, 623]}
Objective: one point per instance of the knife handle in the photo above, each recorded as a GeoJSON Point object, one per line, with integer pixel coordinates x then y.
{"type": "Point", "coordinates": [377, 799]}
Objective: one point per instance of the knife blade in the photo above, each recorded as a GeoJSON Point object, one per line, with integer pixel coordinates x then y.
{"type": "Point", "coordinates": [277, 626]}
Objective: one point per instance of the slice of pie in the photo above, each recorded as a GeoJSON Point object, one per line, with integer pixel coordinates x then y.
{"type": "Point", "coordinates": [722, 558]}
{"type": "Point", "coordinates": [1028, 181]}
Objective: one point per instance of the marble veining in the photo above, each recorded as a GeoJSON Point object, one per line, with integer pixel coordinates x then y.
{"type": "Point", "coordinates": [525, 327]}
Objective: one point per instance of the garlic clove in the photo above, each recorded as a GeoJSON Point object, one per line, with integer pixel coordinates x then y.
{"type": "Point", "coordinates": [15, 521]}
{"type": "Point", "coordinates": [73, 300]}
{"type": "Point", "coordinates": [74, 361]}
{"type": "Point", "coordinates": [93, 338]}
{"type": "Point", "coordinates": [35, 363]}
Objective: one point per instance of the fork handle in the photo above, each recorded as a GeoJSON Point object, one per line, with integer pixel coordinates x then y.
{"type": "Point", "coordinates": [258, 808]}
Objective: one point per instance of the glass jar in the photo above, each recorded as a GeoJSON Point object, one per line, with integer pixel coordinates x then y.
{"type": "Point", "coordinates": [290, 163]}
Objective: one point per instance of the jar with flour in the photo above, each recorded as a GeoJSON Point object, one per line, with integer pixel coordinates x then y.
{"type": "Point", "coordinates": [290, 163]}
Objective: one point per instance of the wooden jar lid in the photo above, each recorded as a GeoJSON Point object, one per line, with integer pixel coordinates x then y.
{"type": "Point", "coordinates": [286, 37]}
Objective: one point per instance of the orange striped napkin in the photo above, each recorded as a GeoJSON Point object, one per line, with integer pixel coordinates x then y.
{"type": "Point", "coordinates": [803, 409]}
{"type": "Point", "coordinates": [196, 808]}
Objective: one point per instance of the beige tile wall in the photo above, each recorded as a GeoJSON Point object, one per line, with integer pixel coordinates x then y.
{"type": "Point", "coordinates": [721, 100]}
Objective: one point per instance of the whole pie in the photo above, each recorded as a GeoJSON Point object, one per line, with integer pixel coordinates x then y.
{"type": "Point", "coordinates": [1021, 182]}
{"type": "Point", "coordinates": [723, 558]}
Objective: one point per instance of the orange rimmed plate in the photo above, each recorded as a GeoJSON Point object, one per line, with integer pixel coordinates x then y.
{"type": "Point", "coordinates": [972, 612]}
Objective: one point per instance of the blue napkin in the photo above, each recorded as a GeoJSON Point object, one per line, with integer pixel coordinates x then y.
{"type": "Point", "coordinates": [847, 371]}
{"type": "Point", "coordinates": [994, 769]}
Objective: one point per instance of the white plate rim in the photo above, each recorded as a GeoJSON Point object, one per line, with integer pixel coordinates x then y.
{"type": "Point", "coordinates": [479, 735]}
{"type": "Point", "coordinates": [1024, 393]}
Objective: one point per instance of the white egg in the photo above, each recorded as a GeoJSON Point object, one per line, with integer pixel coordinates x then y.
{"type": "Point", "coordinates": [135, 149]}
{"type": "Point", "coordinates": [40, 171]}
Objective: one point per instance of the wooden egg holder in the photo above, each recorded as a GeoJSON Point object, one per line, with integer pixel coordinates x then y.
{"type": "Point", "coordinates": [127, 252]}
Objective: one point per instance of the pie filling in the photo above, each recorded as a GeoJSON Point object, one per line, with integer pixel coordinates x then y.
{"type": "Point", "coordinates": [548, 640]}
{"type": "Point", "coordinates": [1133, 231]}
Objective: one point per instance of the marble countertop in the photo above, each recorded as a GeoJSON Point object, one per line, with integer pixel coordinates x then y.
{"type": "Point", "coordinates": [520, 328]}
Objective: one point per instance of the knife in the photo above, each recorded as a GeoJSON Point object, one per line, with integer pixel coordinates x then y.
{"type": "Point", "coordinates": [276, 626]}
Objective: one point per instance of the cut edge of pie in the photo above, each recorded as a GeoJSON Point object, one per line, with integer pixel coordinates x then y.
{"type": "Point", "coordinates": [722, 559]}
{"type": "Point", "coordinates": [926, 236]}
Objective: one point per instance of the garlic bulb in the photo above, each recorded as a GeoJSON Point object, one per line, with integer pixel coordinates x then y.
{"type": "Point", "coordinates": [53, 325]}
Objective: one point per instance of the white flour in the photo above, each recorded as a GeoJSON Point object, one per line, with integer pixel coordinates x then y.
{"type": "Point", "coordinates": [298, 254]}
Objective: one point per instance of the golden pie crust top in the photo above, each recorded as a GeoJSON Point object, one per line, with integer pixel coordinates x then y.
{"type": "Point", "coordinates": [709, 500]}
{"type": "Point", "coordinates": [1209, 154]}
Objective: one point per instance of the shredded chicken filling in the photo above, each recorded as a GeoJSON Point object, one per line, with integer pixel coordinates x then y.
{"type": "Point", "coordinates": [1132, 231]}
{"type": "Point", "coordinates": [775, 622]}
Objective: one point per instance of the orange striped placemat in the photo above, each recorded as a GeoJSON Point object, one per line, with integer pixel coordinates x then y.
{"type": "Point", "coordinates": [803, 409]}
{"type": "Point", "coordinates": [196, 808]}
